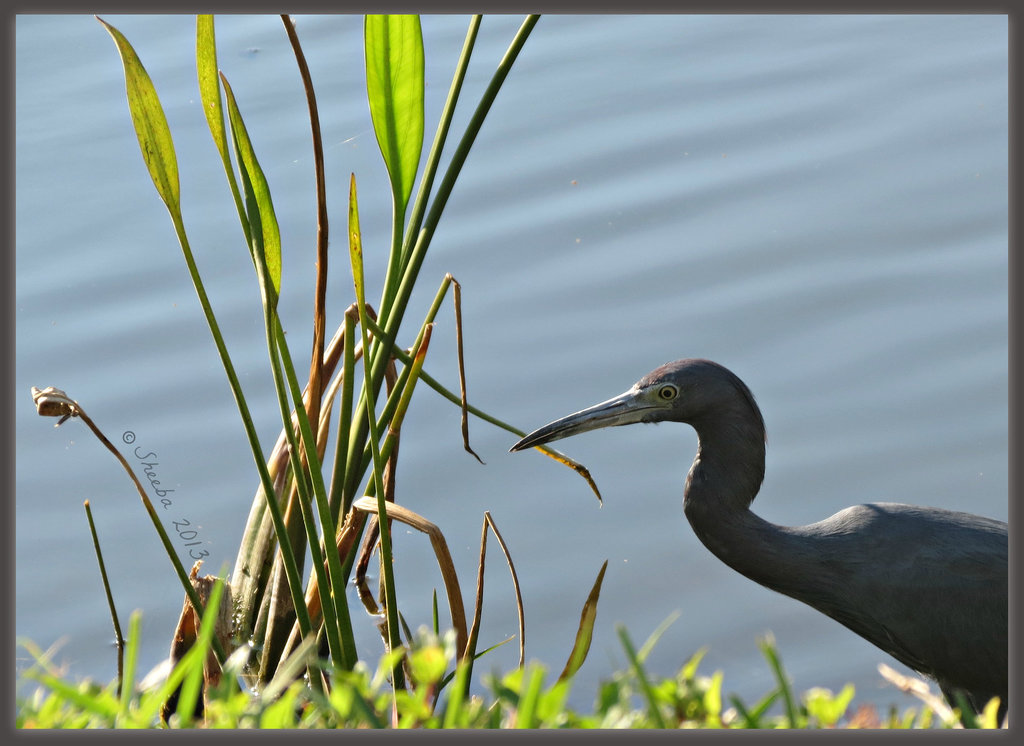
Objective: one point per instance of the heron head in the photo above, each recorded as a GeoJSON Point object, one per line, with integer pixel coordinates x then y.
{"type": "Point", "coordinates": [691, 391]}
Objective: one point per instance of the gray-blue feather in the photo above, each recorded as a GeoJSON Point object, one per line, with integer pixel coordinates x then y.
{"type": "Point", "coordinates": [926, 585]}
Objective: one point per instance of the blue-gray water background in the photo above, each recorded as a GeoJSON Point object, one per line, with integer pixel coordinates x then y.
{"type": "Point", "coordinates": [817, 202]}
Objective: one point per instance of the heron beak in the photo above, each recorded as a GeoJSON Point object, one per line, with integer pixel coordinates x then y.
{"type": "Point", "coordinates": [624, 409]}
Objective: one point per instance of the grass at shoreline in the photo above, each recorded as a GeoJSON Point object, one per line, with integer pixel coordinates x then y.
{"type": "Point", "coordinates": [524, 698]}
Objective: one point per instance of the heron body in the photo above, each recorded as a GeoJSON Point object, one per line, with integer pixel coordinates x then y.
{"type": "Point", "coordinates": [926, 585]}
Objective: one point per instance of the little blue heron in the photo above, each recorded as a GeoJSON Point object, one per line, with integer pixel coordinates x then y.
{"type": "Point", "coordinates": [926, 585]}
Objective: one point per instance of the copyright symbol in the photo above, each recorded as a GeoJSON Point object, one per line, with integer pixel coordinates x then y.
{"type": "Point", "coordinates": [128, 437]}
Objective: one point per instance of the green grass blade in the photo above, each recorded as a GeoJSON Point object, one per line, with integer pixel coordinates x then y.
{"type": "Point", "coordinates": [335, 604]}
{"type": "Point", "coordinates": [767, 645]}
{"type": "Point", "coordinates": [742, 712]}
{"type": "Point", "coordinates": [388, 572]}
{"type": "Point", "coordinates": [529, 697]}
{"type": "Point", "coordinates": [455, 714]}
{"type": "Point", "coordinates": [131, 659]}
{"type": "Point", "coordinates": [104, 704]}
{"type": "Point", "coordinates": [209, 83]}
{"type": "Point", "coordinates": [266, 242]}
{"type": "Point", "coordinates": [209, 95]}
{"type": "Point", "coordinates": [760, 709]}
{"type": "Point", "coordinates": [150, 123]}
{"type": "Point", "coordinates": [288, 554]}
{"type": "Point", "coordinates": [191, 687]}
{"type": "Point", "coordinates": [653, 710]}
{"type": "Point", "coordinates": [344, 413]}
{"type": "Point", "coordinates": [291, 669]}
{"type": "Point", "coordinates": [118, 637]}
{"type": "Point", "coordinates": [651, 641]}
{"type": "Point", "coordinates": [152, 701]}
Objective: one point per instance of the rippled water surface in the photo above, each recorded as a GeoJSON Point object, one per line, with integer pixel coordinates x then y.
{"type": "Point", "coordinates": [817, 202]}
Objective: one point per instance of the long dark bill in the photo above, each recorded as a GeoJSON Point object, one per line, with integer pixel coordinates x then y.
{"type": "Point", "coordinates": [624, 409]}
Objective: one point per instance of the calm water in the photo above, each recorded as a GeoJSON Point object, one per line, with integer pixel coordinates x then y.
{"type": "Point", "coordinates": [818, 202]}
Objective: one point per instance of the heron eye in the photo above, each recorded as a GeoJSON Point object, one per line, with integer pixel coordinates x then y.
{"type": "Point", "coordinates": [667, 393]}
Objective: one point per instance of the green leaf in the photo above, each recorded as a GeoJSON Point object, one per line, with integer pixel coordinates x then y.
{"type": "Point", "coordinates": [713, 701]}
{"type": "Point", "coordinates": [394, 87]}
{"type": "Point", "coordinates": [427, 664]}
{"type": "Point", "coordinates": [767, 645]}
{"type": "Point", "coordinates": [131, 657]}
{"type": "Point", "coordinates": [653, 710]}
{"type": "Point", "coordinates": [355, 244]}
{"type": "Point", "coordinates": [529, 697]}
{"type": "Point", "coordinates": [826, 707]}
{"type": "Point", "coordinates": [689, 670]}
{"type": "Point", "coordinates": [150, 123]}
{"type": "Point", "coordinates": [266, 236]}
{"type": "Point", "coordinates": [989, 717]}
{"type": "Point", "coordinates": [209, 83]}
{"type": "Point", "coordinates": [209, 95]}
{"type": "Point", "coordinates": [651, 641]}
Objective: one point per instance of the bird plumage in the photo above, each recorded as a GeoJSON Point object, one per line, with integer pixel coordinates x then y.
{"type": "Point", "coordinates": [926, 585]}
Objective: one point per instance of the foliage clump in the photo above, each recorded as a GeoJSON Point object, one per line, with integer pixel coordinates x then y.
{"type": "Point", "coordinates": [365, 698]}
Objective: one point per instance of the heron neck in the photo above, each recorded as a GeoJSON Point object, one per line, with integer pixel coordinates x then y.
{"type": "Point", "coordinates": [725, 477]}
{"type": "Point", "coordinates": [729, 466]}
